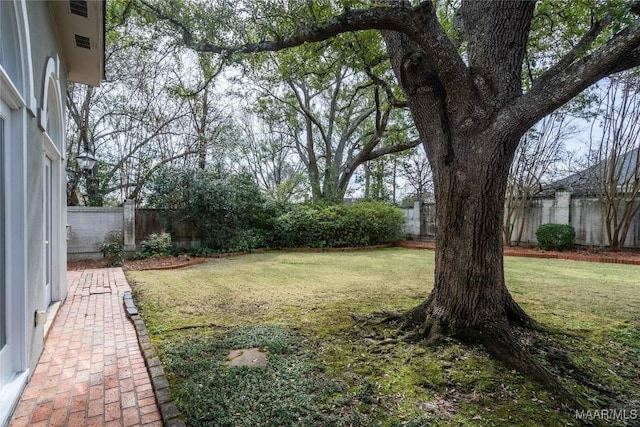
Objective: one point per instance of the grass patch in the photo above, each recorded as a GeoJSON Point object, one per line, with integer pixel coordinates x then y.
{"type": "Point", "coordinates": [328, 367]}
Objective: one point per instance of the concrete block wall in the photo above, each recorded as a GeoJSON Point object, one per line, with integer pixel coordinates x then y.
{"type": "Point", "coordinates": [412, 220]}
{"type": "Point", "coordinates": [87, 228]}
{"type": "Point", "coordinates": [585, 214]}
{"type": "Point", "coordinates": [587, 217]}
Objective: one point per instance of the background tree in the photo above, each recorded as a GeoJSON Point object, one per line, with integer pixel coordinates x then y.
{"type": "Point", "coordinates": [78, 102]}
{"type": "Point", "coordinates": [132, 122]}
{"type": "Point", "coordinates": [268, 153]}
{"type": "Point", "coordinates": [615, 149]}
{"type": "Point", "coordinates": [539, 151]}
{"type": "Point", "coordinates": [209, 123]}
{"type": "Point", "coordinates": [379, 179]}
{"type": "Point", "coordinates": [340, 117]}
{"type": "Point", "coordinates": [471, 110]}
{"type": "Point", "coordinates": [416, 171]}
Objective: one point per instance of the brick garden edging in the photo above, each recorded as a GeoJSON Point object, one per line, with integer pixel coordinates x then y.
{"type": "Point", "coordinates": [543, 255]}
{"type": "Point", "coordinates": [430, 245]}
{"type": "Point", "coordinates": [171, 417]}
{"type": "Point", "coordinates": [346, 249]}
{"type": "Point", "coordinates": [573, 257]}
{"type": "Point", "coordinates": [192, 261]}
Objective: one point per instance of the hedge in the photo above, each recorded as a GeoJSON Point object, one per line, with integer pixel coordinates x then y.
{"type": "Point", "coordinates": [349, 225]}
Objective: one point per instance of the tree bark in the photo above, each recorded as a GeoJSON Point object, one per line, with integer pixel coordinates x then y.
{"type": "Point", "coordinates": [469, 288]}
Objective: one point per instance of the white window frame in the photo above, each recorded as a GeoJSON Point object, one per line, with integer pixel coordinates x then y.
{"type": "Point", "coordinates": [16, 241]}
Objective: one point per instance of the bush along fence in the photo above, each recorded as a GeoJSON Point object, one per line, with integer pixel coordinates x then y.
{"type": "Point", "coordinates": [296, 226]}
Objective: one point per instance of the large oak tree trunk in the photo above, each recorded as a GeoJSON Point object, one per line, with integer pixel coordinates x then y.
{"type": "Point", "coordinates": [470, 154]}
{"type": "Point", "coordinates": [469, 300]}
{"type": "Point", "coordinates": [469, 294]}
{"type": "Point", "coordinates": [469, 286]}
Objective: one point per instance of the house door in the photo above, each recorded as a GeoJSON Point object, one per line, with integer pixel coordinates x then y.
{"type": "Point", "coordinates": [5, 347]}
{"type": "Point", "coordinates": [48, 231]}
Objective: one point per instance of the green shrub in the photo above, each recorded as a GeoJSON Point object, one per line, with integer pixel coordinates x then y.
{"type": "Point", "coordinates": [157, 244]}
{"type": "Point", "coordinates": [246, 240]}
{"type": "Point", "coordinates": [113, 248]}
{"type": "Point", "coordinates": [228, 211]}
{"type": "Point", "coordinates": [359, 224]}
{"type": "Point", "coordinates": [555, 236]}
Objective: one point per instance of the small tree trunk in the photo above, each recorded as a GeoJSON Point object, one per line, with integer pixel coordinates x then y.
{"type": "Point", "coordinates": [523, 215]}
{"type": "Point", "coordinates": [367, 181]}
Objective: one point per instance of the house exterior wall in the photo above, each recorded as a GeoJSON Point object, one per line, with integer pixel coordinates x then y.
{"type": "Point", "coordinates": [33, 86]}
{"type": "Point", "coordinates": [49, 120]}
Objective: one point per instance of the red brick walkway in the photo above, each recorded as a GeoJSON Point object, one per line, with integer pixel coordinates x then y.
{"type": "Point", "coordinates": [91, 372]}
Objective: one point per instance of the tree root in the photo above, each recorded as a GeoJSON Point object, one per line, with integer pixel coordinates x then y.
{"type": "Point", "coordinates": [505, 341]}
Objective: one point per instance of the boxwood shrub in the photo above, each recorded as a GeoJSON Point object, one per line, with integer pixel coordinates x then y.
{"type": "Point", "coordinates": [555, 236]}
{"type": "Point", "coordinates": [348, 225]}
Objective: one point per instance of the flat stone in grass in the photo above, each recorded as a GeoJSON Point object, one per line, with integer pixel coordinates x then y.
{"type": "Point", "coordinates": [247, 357]}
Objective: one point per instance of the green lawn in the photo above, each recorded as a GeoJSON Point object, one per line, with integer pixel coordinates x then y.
{"type": "Point", "coordinates": [330, 367]}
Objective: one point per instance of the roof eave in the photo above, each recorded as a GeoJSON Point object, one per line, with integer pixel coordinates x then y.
{"type": "Point", "coordinates": [82, 39]}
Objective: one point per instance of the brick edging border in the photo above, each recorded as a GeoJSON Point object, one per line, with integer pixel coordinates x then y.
{"type": "Point", "coordinates": [171, 417]}
{"type": "Point", "coordinates": [193, 261]}
{"type": "Point", "coordinates": [413, 245]}
{"type": "Point", "coordinates": [546, 255]}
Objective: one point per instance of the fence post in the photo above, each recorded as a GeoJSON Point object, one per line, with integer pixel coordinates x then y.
{"type": "Point", "coordinates": [129, 226]}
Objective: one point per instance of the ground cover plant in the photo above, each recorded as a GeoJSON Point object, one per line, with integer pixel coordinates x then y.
{"type": "Point", "coordinates": [331, 363]}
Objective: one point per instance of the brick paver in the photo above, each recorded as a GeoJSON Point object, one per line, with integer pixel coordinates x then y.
{"type": "Point", "coordinates": [91, 372]}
